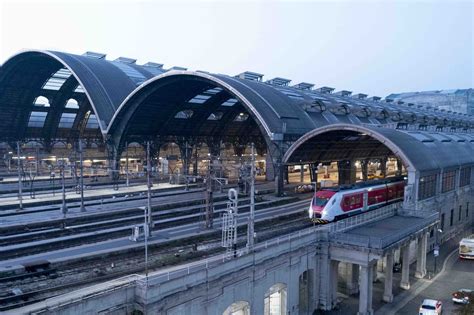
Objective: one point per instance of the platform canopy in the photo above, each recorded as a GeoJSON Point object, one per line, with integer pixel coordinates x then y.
{"type": "Point", "coordinates": [419, 150]}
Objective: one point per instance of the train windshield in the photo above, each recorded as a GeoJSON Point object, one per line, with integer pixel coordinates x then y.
{"type": "Point", "coordinates": [320, 201]}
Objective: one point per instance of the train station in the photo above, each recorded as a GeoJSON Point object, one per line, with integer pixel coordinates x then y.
{"type": "Point", "coordinates": [254, 195]}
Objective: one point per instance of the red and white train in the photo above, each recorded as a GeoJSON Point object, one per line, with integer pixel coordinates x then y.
{"type": "Point", "coordinates": [333, 204]}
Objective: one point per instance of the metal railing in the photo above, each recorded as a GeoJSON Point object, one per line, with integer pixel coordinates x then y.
{"type": "Point", "coordinates": [313, 234]}
{"type": "Point", "coordinates": [385, 241]}
{"type": "Point", "coordinates": [370, 216]}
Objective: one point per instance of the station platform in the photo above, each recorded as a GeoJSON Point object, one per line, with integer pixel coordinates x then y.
{"type": "Point", "coordinates": [88, 193]}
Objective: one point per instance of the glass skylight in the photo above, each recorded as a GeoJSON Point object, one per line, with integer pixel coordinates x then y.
{"type": "Point", "coordinates": [230, 102]}
{"type": "Point", "coordinates": [92, 122]}
{"type": "Point", "coordinates": [199, 99]}
{"type": "Point", "coordinates": [67, 120]}
{"type": "Point", "coordinates": [37, 119]}
{"type": "Point", "coordinates": [57, 80]}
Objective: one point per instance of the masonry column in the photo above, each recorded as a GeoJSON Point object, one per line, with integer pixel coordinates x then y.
{"type": "Point", "coordinates": [421, 256]}
{"type": "Point", "coordinates": [388, 284]}
{"type": "Point", "coordinates": [374, 278]}
{"type": "Point", "coordinates": [405, 283]}
{"type": "Point", "coordinates": [333, 281]}
{"type": "Point", "coordinates": [365, 295]}
{"type": "Point", "coordinates": [353, 280]}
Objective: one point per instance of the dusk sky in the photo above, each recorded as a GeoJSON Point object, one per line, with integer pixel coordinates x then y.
{"type": "Point", "coordinates": [372, 47]}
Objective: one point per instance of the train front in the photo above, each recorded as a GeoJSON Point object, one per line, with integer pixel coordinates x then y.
{"type": "Point", "coordinates": [318, 209]}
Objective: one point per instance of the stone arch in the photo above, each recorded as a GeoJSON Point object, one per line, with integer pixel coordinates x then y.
{"type": "Point", "coordinates": [238, 308]}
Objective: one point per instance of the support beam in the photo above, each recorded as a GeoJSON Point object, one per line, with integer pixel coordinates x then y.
{"type": "Point", "coordinates": [421, 256]}
{"type": "Point", "coordinates": [346, 172]}
{"type": "Point", "coordinates": [365, 296]}
{"type": "Point", "coordinates": [364, 167]}
{"type": "Point", "coordinates": [405, 282]}
{"type": "Point", "coordinates": [388, 284]}
{"type": "Point", "coordinates": [302, 174]}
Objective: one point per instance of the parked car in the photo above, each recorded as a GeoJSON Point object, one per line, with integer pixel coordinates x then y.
{"type": "Point", "coordinates": [431, 307]}
{"type": "Point", "coordinates": [461, 296]}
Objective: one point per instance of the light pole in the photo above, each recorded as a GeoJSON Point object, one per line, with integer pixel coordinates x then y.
{"type": "Point", "coordinates": [20, 193]}
{"type": "Point", "coordinates": [251, 227]}
{"type": "Point", "coordinates": [63, 206]}
{"type": "Point", "coordinates": [436, 250]}
{"type": "Point", "coordinates": [81, 181]}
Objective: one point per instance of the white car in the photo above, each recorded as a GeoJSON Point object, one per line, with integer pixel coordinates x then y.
{"type": "Point", "coordinates": [431, 307]}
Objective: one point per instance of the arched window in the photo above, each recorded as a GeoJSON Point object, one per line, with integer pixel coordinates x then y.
{"type": "Point", "coordinates": [41, 101]}
{"type": "Point", "coordinates": [184, 114]}
{"type": "Point", "coordinates": [238, 308]}
{"type": "Point", "coordinates": [275, 300]}
{"type": "Point", "coordinates": [72, 103]}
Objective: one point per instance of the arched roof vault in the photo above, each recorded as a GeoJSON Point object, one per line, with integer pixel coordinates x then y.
{"type": "Point", "coordinates": [419, 151]}
{"type": "Point", "coordinates": [158, 100]}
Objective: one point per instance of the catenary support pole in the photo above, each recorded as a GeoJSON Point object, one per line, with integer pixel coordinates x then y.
{"type": "Point", "coordinates": [251, 231]}
{"type": "Point", "coordinates": [81, 181]}
{"type": "Point", "coordinates": [20, 193]}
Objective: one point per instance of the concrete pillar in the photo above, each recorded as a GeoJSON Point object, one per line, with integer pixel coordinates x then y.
{"type": "Point", "coordinates": [333, 281]}
{"type": "Point", "coordinates": [405, 282]}
{"type": "Point", "coordinates": [399, 167]}
{"type": "Point", "coordinates": [365, 296]}
{"type": "Point", "coordinates": [374, 278]}
{"type": "Point", "coordinates": [353, 279]}
{"type": "Point", "coordinates": [421, 256]}
{"type": "Point", "coordinates": [346, 172]}
{"type": "Point", "coordinates": [388, 284]}
{"type": "Point", "coordinates": [269, 170]}
{"type": "Point", "coordinates": [364, 168]}
{"type": "Point", "coordinates": [383, 167]}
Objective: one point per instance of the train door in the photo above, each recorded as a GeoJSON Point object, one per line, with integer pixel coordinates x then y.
{"type": "Point", "coordinates": [365, 200]}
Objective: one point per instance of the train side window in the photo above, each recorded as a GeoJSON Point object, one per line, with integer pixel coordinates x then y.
{"type": "Point", "coordinates": [347, 202]}
{"type": "Point", "coordinates": [334, 201]}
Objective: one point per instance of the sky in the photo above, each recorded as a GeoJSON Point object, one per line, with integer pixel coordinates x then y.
{"type": "Point", "coordinates": [371, 47]}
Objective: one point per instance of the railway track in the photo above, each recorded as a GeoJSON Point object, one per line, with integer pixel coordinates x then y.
{"type": "Point", "coordinates": [34, 289]}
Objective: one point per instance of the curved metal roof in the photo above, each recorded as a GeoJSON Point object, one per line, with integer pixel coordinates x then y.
{"type": "Point", "coordinates": [146, 100]}
{"type": "Point", "coordinates": [419, 150]}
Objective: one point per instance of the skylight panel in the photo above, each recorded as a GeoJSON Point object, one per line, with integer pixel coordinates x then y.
{"type": "Point", "coordinates": [56, 81]}
{"type": "Point", "coordinates": [133, 74]}
{"type": "Point", "coordinates": [230, 102]}
{"type": "Point", "coordinates": [213, 91]}
{"type": "Point", "coordinates": [92, 122]}
{"type": "Point", "coordinates": [37, 119]}
{"type": "Point", "coordinates": [79, 89]}
{"type": "Point", "coordinates": [67, 120]}
{"type": "Point", "coordinates": [199, 99]}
